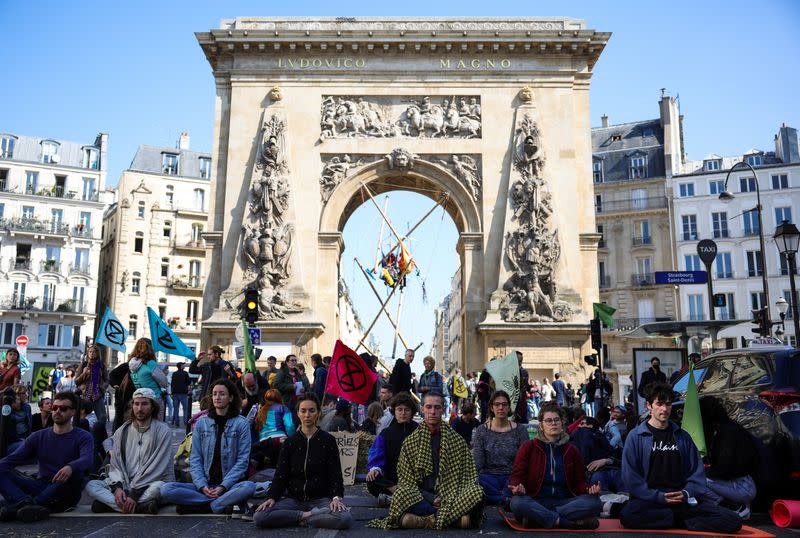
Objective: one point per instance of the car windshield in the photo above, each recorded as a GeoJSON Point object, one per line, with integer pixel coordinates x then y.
{"type": "Point", "coordinates": [682, 383]}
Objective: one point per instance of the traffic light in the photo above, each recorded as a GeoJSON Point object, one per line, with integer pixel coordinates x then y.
{"type": "Point", "coordinates": [250, 306]}
{"type": "Point", "coordinates": [594, 326]}
{"type": "Point", "coordinates": [762, 324]}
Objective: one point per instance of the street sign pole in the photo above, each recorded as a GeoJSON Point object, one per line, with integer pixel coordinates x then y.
{"type": "Point", "coordinates": [707, 250]}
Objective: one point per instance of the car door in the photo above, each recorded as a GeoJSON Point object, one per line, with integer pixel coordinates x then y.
{"type": "Point", "coordinates": [751, 375]}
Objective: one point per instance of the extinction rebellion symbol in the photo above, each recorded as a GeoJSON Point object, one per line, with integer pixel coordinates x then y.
{"type": "Point", "coordinates": [350, 373]}
{"type": "Point", "coordinates": [114, 332]}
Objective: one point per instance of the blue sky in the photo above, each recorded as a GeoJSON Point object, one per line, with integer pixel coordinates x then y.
{"type": "Point", "coordinates": [134, 70]}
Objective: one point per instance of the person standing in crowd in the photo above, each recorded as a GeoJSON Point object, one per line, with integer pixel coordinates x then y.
{"type": "Point", "coordinates": [67, 382]}
{"type": "Point", "coordinates": [414, 383]}
{"type": "Point", "coordinates": [308, 486]}
{"type": "Point", "coordinates": [650, 376]}
{"type": "Point", "coordinates": [320, 375]}
{"type": "Point", "coordinates": [548, 482]}
{"type": "Point", "coordinates": [140, 463]}
{"type": "Point", "coordinates": [401, 374]}
{"type": "Point", "coordinates": [547, 391]}
{"type": "Point", "coordinates": [430, 378]}
{"type": "Point", "coordinates": [64, 454]}
{"type": "Point", "coordinates": [219, 459]}
{"type": "Point", "coordinates": [521, 412]}
{"type": "Point", "coordinates": [732, 458]}
{"type": "Point", "coordinates": [494, 445]}
{"type": "Point", "coordinates": [271, 371]}
{"type": "Point", "coordinates": [535, 397]}
{"type": "Point", "coordinates": [616, 428]}
{"type": "Point", "coordinates": [385, 397]}
{"type": "Point", "coordinates": [179, 387]}
{"type": "Point", "coordinates": [465, 424]}
{"type": "Point", "coordinates": [44, 418]}
{"type": "Point", "coordinates": [290, 383]}
{"type": "Point", "coordinates": [273, 424]}
{"type": "Point", "coordinates": [663, 473]}
{"type": "Point", "coordinates": [55, 375]}
{"type": "Point", "coordinates": [483, 389]}
{"type": "Point", "coordinates": [9, 369]}
{"type": "Point", "coordinates": [210, 367]}
{"type": "Point", "coordinates": [570, 395]}
{"type": "Point", "coordinates": [437, 482]}
{"type": "Point", "coordinates": [594, 396]}
{"type": "Point", "coordinates": [385, 450]}
{"type": "Point", "coordinates": [560, 390]}
{"type": "Point", "coordinates": [92, 379]}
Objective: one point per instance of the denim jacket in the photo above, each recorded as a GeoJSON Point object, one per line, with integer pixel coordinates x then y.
{"type": "Point", "coordinates": [235, 450]}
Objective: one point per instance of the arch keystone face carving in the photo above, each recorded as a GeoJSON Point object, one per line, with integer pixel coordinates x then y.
{"type": "Point", "coordinates": [303, 130]}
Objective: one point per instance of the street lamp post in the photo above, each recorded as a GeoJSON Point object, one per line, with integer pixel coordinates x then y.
{"type": "Point", "coordinates": [787, 238]}
{"type": "Point", "coordinates": [726, 196]}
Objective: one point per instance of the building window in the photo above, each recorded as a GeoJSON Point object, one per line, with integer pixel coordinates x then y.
{"type": "Point", "coordinates": [691, 262]}
{"type": "Point", "coordinates": [140, 210]}
{"type": "Point", "coordinates": [785, 264]}
{"type": "Point", "coordinates": [91, 158]}
{"type": "Point", "coordinates": [169, 164]}
{"type": "Point", "coordinates": [780, 181]}
{"type": "Point", "coordinates": [136, 283]}
{"type": "Point", "coordinates": [783, 214]}
{"type": "Point", "coordinates": [756, 159]}
{"type": "Point", "coordinates": [719, 224]}
{"type": "Point", "coordinates": [49, 152]}
{"type": "Point", "coordinates": [197, 231]}
{"type": "Point", "coordinates": [729, 310]}
{"type": "Point", "coordinates": [86, 221]}
{"type": "Point", "coordinates": [31, 182]}
{"type": "Point", "coordinates": [598, 203]}
{"type": "Point", "coordinates": [169, 196]}
{"type": "Point", "coordinates": [164, 267]}
{"type": "Point", "coordinates": [199, 199]}
{"type": "Point", "coordinates": [685, 190]}
{"type": "Point", "coordinates": [89, 191]}
{"type": "Point", "coordinates": [747, 184]}
{"type": "Point", "coordinates": [162, 309]}
{"type": "Point", "coordinates": [27, 212]}
{"type": "Point", "coordinates": [76, 335]}
{"type": "Point", "coordinates": [191, 313]}
{"type": "Point", "coordinates": [787, 296]}
{"type": "Point", "coordinates": [696, 304]}
{"type": "Point", "coordinates": [7, 144]}
{"type": "Point", "coordinates": [750, 219]}
{"type": "Point", "coordinates": [757, 300]}
{"type": "Point", "coordinates": [638, 167]}
{"type": "Point", "coordinates": [754, 266]}
{"type": "Point", "coordinates": [167, 228]}
{"type": "Point", "coordinates": [711, 165]}
{"type": "Point", "coordinates": [642, 232]}
{"type": "Point", "coordinates": [647, 132]}
{"type": "Point", "coordinates": [132, 323]}
{"type": "Point", "coordinates": [689, 223]}
{"type": "Point", "coordinates": [716, 186]}
{"type": "Point", "coordinates": [205, 167]}
{"type": "Point", "coordinates": [602, 243]}
{"type": "Point", "coordinates": [194, 274]}
{"type": "Point", "coordinates": [597, 171]}
{"type": "Point", "coordinates": [3, 180]}
{"type": "Point", "coordinates": [644, 268]}
{"type": "Point", "coordinates": [724, 265]}
{"type": "Point", "coordinates": [138, 243]}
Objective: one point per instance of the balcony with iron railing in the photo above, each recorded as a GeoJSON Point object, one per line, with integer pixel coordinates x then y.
{"type": "Point", "coordinates": [628, 324]}
{"type": "Point", "coordinates": [643, 279]}
{"type": "Point", "coordinates": [80, 269]}
{"type": "Point", "coordinates": [20, 263]}
{"type": "Point", "coordinates": [644, 240]}
{"type": "Point", "coordinates": [81, 230]}
{"type": "Point", "coordinates": [35, 226]}
{"type": "Point", "coordinates": [726, 315]}
{"type": "Point", "coordinates": [189, 244]}
{"type": "Point", "coordinates": [189, 284]}
{"type": "Point", "coordinates": [637, 204]}
{"type": "Point", "coordinates": [43, 304]}
{"type": "Point", "coordinates": [50, 266]}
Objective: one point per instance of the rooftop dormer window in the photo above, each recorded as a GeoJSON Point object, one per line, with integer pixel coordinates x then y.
{"type": "Point", "coordinates": [712, 165]}
{"type": "Point", "coordinates": [169, 164]}
{"type": "Point", "coordinates": [597, 171]}
{"type": "Point", "coordinates": [91, 158]}
{"type": "Point", "coordinates": [637, 168]}
{"type": "Point", "coordinates": [754, 159]}
{"type": "Point", "coordinates": [50, 152]}
{"type": "Point", "coordinates": [647, 132]}
{"type": "Point", "coordinates": [616, 138]}
{"type": "Point", "coordinates": [7, 144]}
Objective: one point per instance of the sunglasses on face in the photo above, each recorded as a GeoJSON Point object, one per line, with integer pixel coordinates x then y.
{"type": "Point", "coordinates": [56, 407]}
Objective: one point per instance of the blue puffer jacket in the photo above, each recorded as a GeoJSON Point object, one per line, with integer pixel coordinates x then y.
{"type": "Point", "coordinates": [235, 450]}
{"type": "Point", "coordinates": [636, 464]}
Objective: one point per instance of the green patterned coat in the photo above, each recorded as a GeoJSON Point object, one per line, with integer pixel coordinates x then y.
{"type": "Point", "coordinates": [457, 483]}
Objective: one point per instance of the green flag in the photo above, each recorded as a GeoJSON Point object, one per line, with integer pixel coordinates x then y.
{"type": "Point", "coordinates": [604, 313]}
{"type": "Point", "coordinates": [692, 421]}
{"type": "Point", "coordinates": [249, 354]}
{"type": "Point", "coordinates": [505, 373]}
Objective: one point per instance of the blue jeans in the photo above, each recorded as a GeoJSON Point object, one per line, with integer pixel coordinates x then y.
{"type": "Point", "coordinates": [610, 480]}
{"type": "Point", "coordinates": [187, 494]}
{"type": "Point", "coordinates": [543, 512]}
{"type": "Point", "coordinates": [287, 513]}
{"type": "Point", "coordinates": [178, 401]}
{"type": "Point", "coordinates": [495, 487]}
{"type": "Point", "coordinates": [17, 490]}
{"type": "Point", "coordinates": [740, 490]}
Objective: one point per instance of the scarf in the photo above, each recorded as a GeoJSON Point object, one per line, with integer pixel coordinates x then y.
{"type": "Point", "coordinates": [456, 484]}
{"type": "Point", "coordinates": [92, 393]}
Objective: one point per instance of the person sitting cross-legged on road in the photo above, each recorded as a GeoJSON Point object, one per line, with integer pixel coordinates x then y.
{"type": "Point", "coordinates": [308, 477]}
{"type": "Point", "coordinates": [494, 447]}
{"type": "Point", "coordinates": [437, 480]}
{"type": "Point", "coordinates": [548, 482]}
{"type": "Point", "coordinates": [385, 450]}
{"type": "Point", "coordinates": [663, 473]}
{"type": "Point", "coordinates": [141, 461]}
{"type": "Point", "coordinates": [64, 453]}
{"type": "Point", "coordinates": [219, 459]}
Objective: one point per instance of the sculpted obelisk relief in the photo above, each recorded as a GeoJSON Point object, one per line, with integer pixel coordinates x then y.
{"type": "Point", "coordinates": [488, 117]}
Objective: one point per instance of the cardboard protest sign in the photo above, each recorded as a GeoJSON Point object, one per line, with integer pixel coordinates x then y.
{"type": "Point", "coordinates": [348, 455]}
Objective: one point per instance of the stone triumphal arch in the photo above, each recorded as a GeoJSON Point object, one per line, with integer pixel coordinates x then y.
{"type": "Point", "coordinates": [490, 117]}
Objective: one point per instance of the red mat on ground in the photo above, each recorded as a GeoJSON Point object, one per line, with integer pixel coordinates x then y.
{"type": "Point", "coordinates": [613, 525]}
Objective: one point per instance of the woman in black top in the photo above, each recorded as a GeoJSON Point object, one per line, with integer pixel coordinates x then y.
{"type": "Point", "coordinates": [44, 418]}
{"type": "Point", "coordinates": [308, 477]}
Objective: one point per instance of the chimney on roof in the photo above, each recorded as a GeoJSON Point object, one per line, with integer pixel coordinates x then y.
{"type": "Point", "coordinates": [183, 141]}
{"type": "Point", "coordinates": [786, 145]}
{"type": "Point", "coordinates": [604, 119]}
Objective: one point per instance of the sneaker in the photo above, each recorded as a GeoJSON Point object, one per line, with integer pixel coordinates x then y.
{"type": "Point", "coordinates": [191, 509]}
{"type": "Point", "coordinates": [744, 512]}
{"type": "Point", "coordinates": [101, 508]}
{"type": "Point", "coordinates": [147, 507]}
{"type": "Point", "coordinates": [413, 521]}
{"type": "Point", "coordinates": [589, 523]}
{"type": "Point", "coordinates": [384, 500]}
{"type": "Point", "coordinates": [32, 512]}
{"type": "Point", "coordinates": [249, 514]}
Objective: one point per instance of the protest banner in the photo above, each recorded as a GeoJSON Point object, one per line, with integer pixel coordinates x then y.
{"type": "Point", "coordinates": [347, 443]}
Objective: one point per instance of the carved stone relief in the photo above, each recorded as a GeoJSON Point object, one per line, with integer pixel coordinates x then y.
{"type": "Point", "coordinates": [532, 249]}
{"type": "Point", "coordinates": [267, 235]}
{"type": "Point", "coordinates": [337, 168]}
{"type": "Point", "coordinates": [352, 24]}
{"type": "Point", "coordinates": [345, 116]}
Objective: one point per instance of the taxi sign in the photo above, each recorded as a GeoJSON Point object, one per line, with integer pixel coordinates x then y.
{"type": "Point", "coordinates": [764, 341]}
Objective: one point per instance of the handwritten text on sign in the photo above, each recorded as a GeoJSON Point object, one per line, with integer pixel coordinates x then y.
{"type": "Point", "coordinates": [348, 455]}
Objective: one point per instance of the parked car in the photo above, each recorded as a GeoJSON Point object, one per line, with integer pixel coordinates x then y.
{"type": "Point", "coordinates": [760, 389]}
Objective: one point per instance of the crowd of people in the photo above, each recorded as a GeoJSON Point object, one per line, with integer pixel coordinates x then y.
{"type": "Point", "coordinates": [428, 466]}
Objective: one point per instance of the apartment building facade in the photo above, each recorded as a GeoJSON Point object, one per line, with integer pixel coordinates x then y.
{"type": "Point", "coordinates": [51, 211]}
